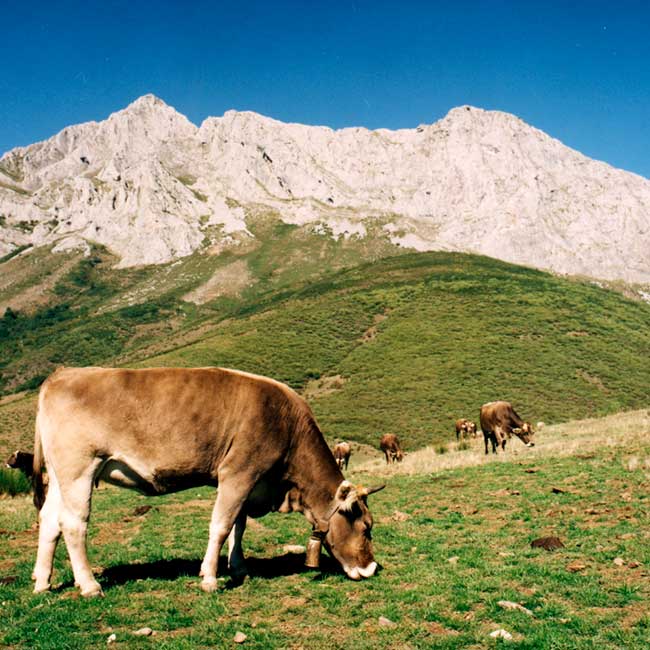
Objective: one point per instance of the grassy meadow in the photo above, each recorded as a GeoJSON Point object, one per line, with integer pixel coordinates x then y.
{"type": "Point", "coordinates": [378, 340]}
{"type": "Point", "coordinates": [403, 344]}
{"type": "Point", "coordinates": [452, 533]}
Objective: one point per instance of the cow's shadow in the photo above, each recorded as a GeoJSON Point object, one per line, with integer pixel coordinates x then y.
{"type": "Point", "coordinates": [268, 568]}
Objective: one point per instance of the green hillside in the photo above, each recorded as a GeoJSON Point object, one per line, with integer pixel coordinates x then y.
{"type": "Point", "coordinates": [414, 342]}
{"type": "Point", "coordinates": [402, 344]}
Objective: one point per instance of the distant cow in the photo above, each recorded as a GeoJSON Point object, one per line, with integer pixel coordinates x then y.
{"type": "Point", "coordinates": [499, 421]}
{"type": "Point", "coordinates": [22, 460]}
{"type": "Point", "coordinates": [342, 453]}
{"type": "Point", "coordinates": [465, 428]}
{"type": "Point", "coordinates": [389, 444]}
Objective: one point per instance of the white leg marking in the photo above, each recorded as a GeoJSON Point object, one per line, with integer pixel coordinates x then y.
{"type": "Point", "coordinates": [48, 536]}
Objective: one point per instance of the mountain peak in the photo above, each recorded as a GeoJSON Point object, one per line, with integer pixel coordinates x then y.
{"type": "Point", "coordinates": [147, 101]}
{"type": "Point", "coordinates": [152, 187]}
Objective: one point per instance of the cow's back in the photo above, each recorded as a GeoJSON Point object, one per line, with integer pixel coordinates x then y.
{"type": "Point", "coordinates": [500, 414]}
{"type": "Point", "coordinates": [173, 417]}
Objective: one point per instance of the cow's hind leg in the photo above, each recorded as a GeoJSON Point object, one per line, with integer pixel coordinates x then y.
{"type": "Point", "coordinates": [49, 531]}
{"type": "Point", "coordinates": [231, 497]}
{"type": "Point", "coordinates": [236, 561]}
{"type": "Point", "coordinates": [75, 512]}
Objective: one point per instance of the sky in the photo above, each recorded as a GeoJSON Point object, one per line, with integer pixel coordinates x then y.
{"type": "Point", "coordinates": [580, 70]}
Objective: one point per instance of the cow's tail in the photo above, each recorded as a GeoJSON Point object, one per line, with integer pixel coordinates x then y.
{"type": "Point", "coordinates": [39, 463]}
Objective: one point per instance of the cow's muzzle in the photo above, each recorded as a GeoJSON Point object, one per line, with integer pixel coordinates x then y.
{"type": "Point", "coordinates": [356, 573]}
{"type": "Point", "coordinates": [530, 444]}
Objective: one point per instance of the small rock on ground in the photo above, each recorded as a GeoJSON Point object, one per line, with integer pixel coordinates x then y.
{"type": "Point", "coordinates": [508, 604]}
{"type": "Point", "coordinates": [453, 560]}
{"type": "Point", "coordinates": [576, 566]}
{"type": "Point", "coordinates": [294, 548]}
{"type": "Point", "coordinates": [618, 561]}
{"type": "Point", "coordinates": [501, 634]}
{"type": "Point", "coordinates": [240, 637]}
{"type": "Point", "coordinates": [112, 638]}
{"type": "Point", "coordinates": [386, 622]}
{"type": "Point", "coordinates": [144, 631]}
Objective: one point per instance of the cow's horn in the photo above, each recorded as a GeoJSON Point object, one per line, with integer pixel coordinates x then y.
{"type": "Point", "coordinates": [372, 490]}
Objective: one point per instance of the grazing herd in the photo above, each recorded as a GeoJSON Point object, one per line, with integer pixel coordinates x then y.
{"type": "Point", "coordinates": [160, 430]}
{"type": "Point", "coordinates": [499, 421]}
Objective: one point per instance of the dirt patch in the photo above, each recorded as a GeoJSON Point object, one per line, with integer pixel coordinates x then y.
{"type": "Point", "coordinates": [591, 379]}
{"type": "Point", "coordinates": [230, 281]}
{"type": "Point", "coordinates": [37, 295]}
{"type": "Point", "coordinates": [323, 386]}
{"type": "Point", "coordinates": [371, 332]}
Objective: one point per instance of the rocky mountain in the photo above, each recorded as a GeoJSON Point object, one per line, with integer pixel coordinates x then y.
{"type": "Point", "coordinates": [152, 187]}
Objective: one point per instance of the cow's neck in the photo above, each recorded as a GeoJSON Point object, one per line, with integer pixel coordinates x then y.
{"type": "Point", "coordinates": [313, 470]}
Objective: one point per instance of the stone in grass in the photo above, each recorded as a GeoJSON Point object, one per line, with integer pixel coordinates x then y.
{"type": "Point", "coordinates": [576, 566]}
{"type": "Point", "coordinates": [143, 631]}
{"type": "Point", "coordinates": [501, 634]}
{"type": "Point", "coordinates": [386, 622]}
{"type": "Point", "coordinates": [619, 561]}
{"type": "Point", "coordinates": [294, 549]}
{"type": "Point", "coordinates": [240, 637]}
{"type": "Point", "coordinates": [112, 638]}
{"type": "Point", "coordinates": [508, 604]}
{"type": "Point", "coordinates": [550, 543]}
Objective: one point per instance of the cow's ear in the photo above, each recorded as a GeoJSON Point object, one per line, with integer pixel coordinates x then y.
{"type": "Point", "coordinates": [346, 496]}
{"type": "Point", "coordinates": [344, 490]}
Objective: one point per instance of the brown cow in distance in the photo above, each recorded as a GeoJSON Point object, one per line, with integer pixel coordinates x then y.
{"type": "Point", "coordinates": [465, 428]}
{"type": "Point", "coordinates": [160, 430]}
{"type": "Point", "coordinates": [499, 421]}
{"type": "Point", "coordinates": [22, 460]}
{"type": "Point", "coordinates": [389, 444]}
{"type": "Point", "coordinates": [342, 453]}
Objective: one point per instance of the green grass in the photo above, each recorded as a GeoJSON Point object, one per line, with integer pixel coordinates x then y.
{"type": "Point", "coordinates": [485, 516]}
{"type": "Point", "coordinates": [13, 482]}
{"type": "Point", "coordinates": [418, 340]}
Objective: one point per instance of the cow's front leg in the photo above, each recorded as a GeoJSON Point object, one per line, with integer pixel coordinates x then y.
{"type": "Point", "coordinates": [230, 500]}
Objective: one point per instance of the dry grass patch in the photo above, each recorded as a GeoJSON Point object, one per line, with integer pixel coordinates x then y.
{"type": "Point", "coordinates": [228, 281]}
{"type": "Point", "coordinates": [570, 439]}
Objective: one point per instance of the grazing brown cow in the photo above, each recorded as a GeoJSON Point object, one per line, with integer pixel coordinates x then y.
{"type": "Point", "coordinates": [161, 430]}
{"type": "Point", "coordinates": [465, 428]}
{"type": "Point", "coordinates": [499, 421]}
{"type": "Point", "coordinates": [389, 444]}
{"type": "Point", "coordinates": [22, 460]}
{"type": "Point", "coordinates": [342, 453]}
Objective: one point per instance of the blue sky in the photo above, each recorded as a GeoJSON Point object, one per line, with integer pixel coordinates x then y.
{"type": "Point", "coordinates": [579, 71]}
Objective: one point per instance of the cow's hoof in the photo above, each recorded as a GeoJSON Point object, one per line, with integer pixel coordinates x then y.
{"type": "Point", "coordinates": [209, 585]}
{"type": "Point", "coordinates": [94, 591]}
{"type": "Point", "coordinates": [42, 588]}
{"type": "Point", "coordinates": [237, 578]}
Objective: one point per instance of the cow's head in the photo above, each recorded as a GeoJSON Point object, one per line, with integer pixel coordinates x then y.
{"type": "Point", "coordinates": [470, 427]}
{"type": "Point", "coordinates": [525, 433]}
{"type": "Point", "coordinates": [348, 538]}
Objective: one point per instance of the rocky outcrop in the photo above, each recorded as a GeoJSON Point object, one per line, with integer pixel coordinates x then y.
{"type": "Point", "coordinates": [152, 187]}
